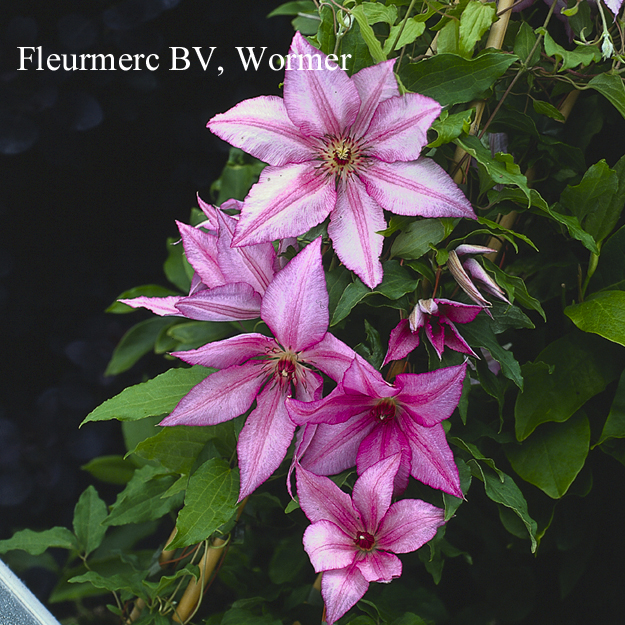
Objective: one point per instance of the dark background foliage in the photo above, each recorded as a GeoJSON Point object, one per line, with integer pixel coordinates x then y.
{"type": "Point", "coordinates": [95, 168]}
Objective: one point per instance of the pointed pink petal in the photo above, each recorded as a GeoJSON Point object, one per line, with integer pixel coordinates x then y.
{"type": "Point", "coordinates": [373, 491]}
{"type": "Point", "coordinates": [419, 187]}
{"type": "Point", "coordinates": [458, 312]}
{"type": "Point", "coordinates": [379, 566]}
{"type": "Point", "coordinates": [386, 440]}
{"type": "Point", "coordinates": [464, 282]}
{"type": "Point", "coordinates": [210, 212]}
{"type": "Point", "coordinates": [354, 226]}
{"type": "Point", "coordinates": [408, 525]}
{"type": "Point", "coordinates": [478, 272]}
{"type": "Point", "coordinates": [320, 498]}
{"type": "Point", "coordinates": [162, 306]}
{"type": "Point", "coordinates": [229, 352]}
{"type": "Point", "coordinates": [614, 6]}
{"type": "Point", "coordinates": [436, 334]}
{"type": "Point", "coordinates": [367, 381]}
{"type": "Point", "coordinates": [222, 396]}
{"type": "Point", "coordinates": [333, 357]}
{"type": "Point", "coordinates": [319, 101]}
{"type": "Point", "coordinates": [264, 440]}
{"type": "Point", "coordinates": [201, 251]}
{"type": "Point", "coordinates": [295, 304]}
{"type": "Point", "coordinates": [335, 408]}
{"type": "Point", "coordinates": [252, 264]}
{"type": "Point", "coordinates": [262, 128]}
{"type": "Point", "coordinates": [341, 590]}
{"type": "Point", "coordinates": [401, 342]}
{"type": "Point", "coordinates": [398, 130]}
{"type": "Point", "coordinates": [286, 202]}
{"type": "Point", "coordinates": [333, 448]}
{"type": "Point", "coordinates": [229, 302]}
{"type": "Point", "coordinates": [432, 460]}
{"type": "Point", "coordinates": [430, 397]}
{"type": "Point", "coordinates": [454, 340]}
{"type": "Point", "coordinates": [473, 249]}
{"type": "Point", "coordinates": [328, 546]}
{"type": "Point", "coordinates": [374, 84]}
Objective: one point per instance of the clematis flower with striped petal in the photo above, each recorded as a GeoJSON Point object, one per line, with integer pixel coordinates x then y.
{"type": "Point", "coordinates": [353, 540]}
{"type": "Point", "coordinates": [255, 367]}
{"type": "Point", "coordinates": [345, 147]}
{"type": "Point", "coordinates": [438, 317]}
{"type": "Point", "coordinates": [365, 419]}
{"type": "Point", "coordinates": [228, 283]}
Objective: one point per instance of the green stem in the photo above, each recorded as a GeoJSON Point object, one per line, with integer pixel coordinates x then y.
{"type": "Point", "coordinates": [592, 266]}
{"type": "Point", "coordinates": [403, 25]}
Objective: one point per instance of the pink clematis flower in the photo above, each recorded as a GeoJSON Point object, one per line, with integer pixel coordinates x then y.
{"type": "Point", "coordinates": [228, 283]}
{"type": "Point", "coordinates": [268, 370]}
{"type": "Point", "coordinates": [338, 146]}
{"type": "Point", "coordinates": [438, 317]}
{"type": "Point", "coordinates": [353, 540]}
{"type": "Point", "coordinates": [365, 419]}
{"type": "Point", "coordinates": [470, 268]}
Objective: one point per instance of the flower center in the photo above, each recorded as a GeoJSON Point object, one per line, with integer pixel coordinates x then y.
{"type": "Point", "coordinates": [365, 541]}
{"type": "Point", "coordinates": [341, 156]}
{"type": "Point", "coordinates": [384, 409]}
{"type": "Point", "coordinates": [285, 369]}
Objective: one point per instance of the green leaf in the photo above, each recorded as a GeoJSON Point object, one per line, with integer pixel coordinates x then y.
{"type": "Point", "coordinates": [193, 334]}
{"type": "Point", "coordinates": [416, 239]}
{"type": "Point", "coordinates": [449, 127]}
{"type": "Point", "coordinates": [581, 56]}
{"type": "Point", "coordinates": [479, 333]}
{"type": "Point", "coordinates": [372, 351]}
{"type": "Point", "coordinates": [129, 580]}
{"type": "Point", "coordinates": [376, 13]}
{"type": "Point", "coordinates": [142, 498]}
{"type": "Point", "coordinates": [603, 313]}
{"type": "Point", "coordinates": [176, 448]}
{"type": "Point", "coordinates": [176, 267]}
{"type": "Point", "coordinates": [582, 365]}
{"type": "Point", "coordinates": [326, 37]}
{"type": "Point", "coordinates": [353, 44]}
{"type": "Point", "coordinates": [154, 397]}
{"type": "Point", "coordinates": [36, 543]}
{"type": "Point", "coordinates": [610, 272]}
{"type": "Point", "coordinates": [544, 108]}
{"type": "Point", "coordinates": [293, 8]}
{"type": "Point", "coordinates": [147, 290]}
{"type": "Point", "coordinates": [501, 168]}
{"type": "Point", "coordinates": [503, 490]}
{"type": "Point", "coordinates": [523, 44]}
{"type": "Point", "coordinates": [89, 513]}
{"type": "Point", "coordinates": [553, 455]}
{"type": "Point", "coordinates": [239, 174]}
{"type": "Point", "coordinates": [505, 233]}
{"type": "Point", "coordinates": [375, 49]}
{"type": "Point", "coordinates": [111, 469]}
{"type": "Point", "coordinates": [137, 342]}
{"type": "Point", "coordinates": [210, 501]}
{"type": "Point", "coordinates": [241, 616]}
{"type": "Point", "coordinates": [614, 426]}
{"type": "Point", "coordinates": [412, 28]}
{"type": "Point", "coordinates": [452, 79]}
{"type": "Point", "coordinates": [611, 87]}
{"type": "Point", "coordinates": [475, 20]}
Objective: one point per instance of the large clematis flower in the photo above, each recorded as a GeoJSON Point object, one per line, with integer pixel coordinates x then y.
{"type": "Point", "coordinates": [365, 419]}
{"type": "Point", "coordinates": [268, 370]}
{"type": "Point", "coordinates": [228, 283]}
{"type": "Point", "coordinates": [353, 540]}
{"type": "Point", "coordinates": [338, 146]}
{"type": "Point", "coordinates": [438, 317]}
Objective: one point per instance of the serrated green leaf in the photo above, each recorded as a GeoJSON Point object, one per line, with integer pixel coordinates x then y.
{"type": "Point", "coordinates": [582, 365]}
{"type": "Point", "coordinates": [210, 501]}
{"type": "Point", "coordinates": [154, 397]}
{"type": "Point", "coordinates": [376, 13]}
{"type": "Point", "coordinates": [326, 37]}
{"type": "Point", "coordinates": [553, 455]}
{"type": "Point", "coordinates": [414, 241]}
{"type": "Point", "coordinates": [36, 543]}
{"type": "Point", "coordinates": [142, 499]}
{"type": "Point", "coordinates": [452, 79]}
{"type": "Point", "coordinates": [603, 313]}
{"type": "Point", "coordinates": [410, 29]}
{"type": "Point", "coordinates": [130, 581]}
{"type": "Point", "coordinates": [176, 448]}
{"type": "Point", "coordinates": [111, 469]}
{"type": "Point", "coordinates": [581, 56]}
{"type": "Point", "coordinates": [147, 290]}
{"type": "Point", "coordinates": [89, 513]}
{"type": "Point", "coordinates": [448, 127]}
{"type": "Point", "coordinates": [137, 342]}
{"type": "Point", "coordinates": [475, 20]}
{"type": "Point", "coordinates": [368, 36]}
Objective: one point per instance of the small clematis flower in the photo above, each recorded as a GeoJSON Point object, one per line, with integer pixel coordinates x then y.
{"type": "Point", "coordinates": [438, 317]}
{"type": "Point", "coordinates": [365, 419]}
{"type": "Point", "coordinates": [268, 370]}
{"type": "Point", "coordinates": [228, 283]}
{"type": "Point", "coordinates": [470, 268]}
{"type": "Point", "coordinates": [353, 540]}
{"type": "Point", "coordinates": [339, 146]}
